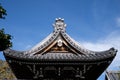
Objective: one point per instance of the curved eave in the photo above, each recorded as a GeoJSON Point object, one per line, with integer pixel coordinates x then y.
{"type": "Point", "coordinates": [43, 44]}
{"type": "Point", "coordinates": [99, 56]}
{"type": "Point", "coordinates": [52, 37]}
{"type": "Point", "coordinates": [76, 45]}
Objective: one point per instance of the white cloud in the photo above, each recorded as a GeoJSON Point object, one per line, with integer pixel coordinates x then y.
{"type": "Point", "coordinates": [28, 47]}
{"type": "Point", "coordinates": [118, 22]}
{"type": "Point", "coordinates": [113, 40]}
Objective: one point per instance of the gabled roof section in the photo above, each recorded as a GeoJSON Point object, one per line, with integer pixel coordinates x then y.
{"type": "Point", "coordinates": [60, 46]}
{"type": "Point", "coordinates": [59, 37]}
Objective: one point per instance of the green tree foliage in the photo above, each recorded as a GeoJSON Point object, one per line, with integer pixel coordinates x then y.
{"type": "Point", "coordinates": [2, 12]}
{"type": "Point", "coordinates": [4, 38]}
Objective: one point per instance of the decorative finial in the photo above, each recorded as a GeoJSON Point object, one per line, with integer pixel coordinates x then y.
{"type": "Point", "coordinates": [59, 24]}
{"type": "Point", "coordinates": [60, 19]}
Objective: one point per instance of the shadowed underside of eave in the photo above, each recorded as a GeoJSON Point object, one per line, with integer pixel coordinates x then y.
{"type": "Point", "coordinates": [29, 68]}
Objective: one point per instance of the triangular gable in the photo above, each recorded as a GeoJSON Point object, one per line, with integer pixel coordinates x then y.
{"type": "Point", "coordinates": [54, 40]}
{"type": "Point", "coordinates": [59, 45]}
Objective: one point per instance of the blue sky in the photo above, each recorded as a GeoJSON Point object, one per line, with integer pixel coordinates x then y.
{"type": "Point", "coordinates": [93, 23]}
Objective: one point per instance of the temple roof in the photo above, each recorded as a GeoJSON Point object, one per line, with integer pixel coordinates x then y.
{"type": "Point", "coordinates": [62, 56]}
{"type": "Point", "coordinates": [58, 34]}
{"type": "Point", "coordinates": [59, 45]}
